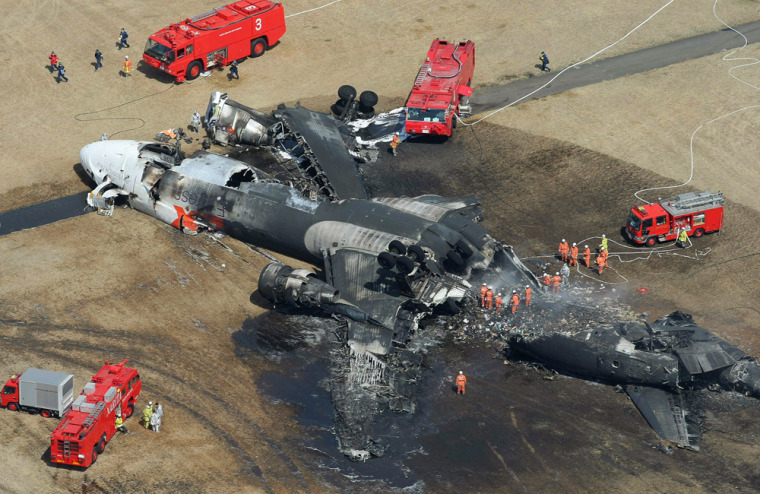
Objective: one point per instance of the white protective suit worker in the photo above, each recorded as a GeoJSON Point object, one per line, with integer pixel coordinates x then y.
{"type": "Point", "coordinates": [155, 421]}
{"type": "Point", "coordinates": [195, 122]}
{"type": "Point", "coordinates": [565, 273]}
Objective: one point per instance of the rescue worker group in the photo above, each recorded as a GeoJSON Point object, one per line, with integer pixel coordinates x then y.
{"type": "Point", "coordinates": [152, 415]}
{"type": "Point", "coordinates": [56, 66]}
{"type": "Point", "coordinates": [569, 256]}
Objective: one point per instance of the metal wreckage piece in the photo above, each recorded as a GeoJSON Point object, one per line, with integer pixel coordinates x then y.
{"type": "Point", "coordinates": [653, 363]}
{"type": "Point", "coordinates": [317, 143]}
{"type": "Point", "coordinates": [388, 262]}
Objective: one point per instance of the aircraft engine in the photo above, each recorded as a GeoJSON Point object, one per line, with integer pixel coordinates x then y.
{"type": "Point", "coordinates": [282, 284]}
{"type": "Point", "coordinates": [743, 376]}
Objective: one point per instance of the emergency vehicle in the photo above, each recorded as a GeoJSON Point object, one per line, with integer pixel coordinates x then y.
{"type": "Point", "coordinates": [216, 38]}
{"type": "Point", "coordinates": [90, 423]}
{"type": "Point", "coordinates": [696, 212]}
{"type": "Point", "coordinates": [442, 88]}
{"type": "Point", "coordinates": [39, 391]}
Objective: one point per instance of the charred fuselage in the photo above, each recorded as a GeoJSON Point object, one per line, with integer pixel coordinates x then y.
{"type": "Point", "coordinates": [652, 362]}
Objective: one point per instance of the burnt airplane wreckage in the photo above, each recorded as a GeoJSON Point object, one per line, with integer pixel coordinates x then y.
{"type": "Point", "coordinates": [388, 262]}
{"type": "Point", "coordinates": [654, 363]}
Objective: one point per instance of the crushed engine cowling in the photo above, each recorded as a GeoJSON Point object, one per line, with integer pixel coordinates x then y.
{"type": "Point", "coordinates": [282, 284]}
{"type": "Point", "coordinates": [234, 123]}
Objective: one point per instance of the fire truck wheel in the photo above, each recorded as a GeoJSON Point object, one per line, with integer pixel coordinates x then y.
{"type": "Point", "coordinates": [699, 232]}
{"type": "Point", "coordinates": [46, 414]}
{"type": "Point", "coordinates": [347, 93]}
{"type": "Point", "coordinates": [454, 121]}
{"type": "Point", "coordinates": [258, 47]}
{"type": "Point", "coordinates": [368, 98]}
{"type": "Point", "coordinates": [129, 410]}
{"type": "Point", "coordinates": [94, 454]}
{"type": "Point", "coordinates": [13, 407]}
{"type": "Point", "coordinates": [651, 241]}
{"type": "Point", "coordinates": [101, 446]}
{"type": "Point", "coordinates": [194, 70]}
{"type": "Point", "coordinates": [397, 248]}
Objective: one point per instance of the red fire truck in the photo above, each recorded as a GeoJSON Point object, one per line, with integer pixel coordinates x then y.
{"type": "Point", "coordinates": [442, 88]}
{"type": "Point", "coordinates": [216, 38]}
{"type": "Point", "coordinates": [696, 212]}
{"type": "Point", "coordinates": [90, 423]}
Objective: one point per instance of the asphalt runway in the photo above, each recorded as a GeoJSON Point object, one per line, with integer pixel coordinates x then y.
{"type": "Point", "coordinates": [491, 98]}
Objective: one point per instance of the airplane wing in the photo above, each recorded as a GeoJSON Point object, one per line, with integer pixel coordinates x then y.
{"type": "Point", "coordinates": [665, 412]}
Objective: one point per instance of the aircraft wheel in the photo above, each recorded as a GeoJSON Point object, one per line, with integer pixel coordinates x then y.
{"type": "Point", "coordinates": [651, 241]}
{"type": "Point", "coordinates": [464, 248]}
{"type": "Point", "coordinates": [366, 113]}
{"type": "Point", "coordinates": [194, 70]}
{"type": "Point", "coordinates": [404, 264]}
{"type": "Point", "coordinates": [699, 232]}
{"type": "Point", "coordinates": [368, 99]}
{"type": "Point", "coordinates": [455, 258]}
{"type": "Point", "coordinates": [386, 260]}
{"type": "Point", "coordinates": [347, 93]}
{"type": "Point", "coordinates": [416, 253]}
{"type": "Point", "coordinates": [258, 47]}
{"type": "Point", "coordinates": [338, 107]}
{"type": "Point", "coordinates": [396, 247]}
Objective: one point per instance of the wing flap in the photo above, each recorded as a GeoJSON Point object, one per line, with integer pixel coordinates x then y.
{"type": "Point", "coordinates": [665, 413]}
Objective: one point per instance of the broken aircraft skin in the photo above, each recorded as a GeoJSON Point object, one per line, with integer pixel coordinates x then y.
{"type": "Point", "coordinates": [652, 362]}
{"type": "Point", "coordinates": [317, 143]}
{"type": "Point", "coordinates": [388, 262]}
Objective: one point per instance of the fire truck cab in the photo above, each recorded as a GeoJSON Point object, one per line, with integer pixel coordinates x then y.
{"type": "Point", "coordinates": [216, 38]}
{"type": "Point", "coordinates": [90, 423]}
{"type": "Point", "coordinates": [695, 212]}
{"type": "Point", "coordinates": [442, 88]}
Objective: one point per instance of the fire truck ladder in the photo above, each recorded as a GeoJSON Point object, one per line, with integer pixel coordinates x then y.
{"type": "Point", "coordinates": [421, 76]}
{"type": "Point", "coordinates": [93, 415]}
{"type": "Point", "coordinates": [690, 200]}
